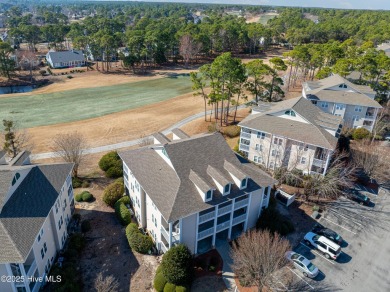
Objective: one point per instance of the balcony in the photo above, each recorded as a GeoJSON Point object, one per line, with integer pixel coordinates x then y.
{"type": "Point", "coordinates": [175, 237]}
{"type": "Point", "coordinates": [165, 233]}
{"type": "Point", "coordinates": [245, 135]}
{"type": "Point", "coordinates": [163, 248]}
{"type": "Point", "coordinates": [206, 233]}
{"type": "Point", "coordinates": [239, 219]}
{"type": "Point", "coordinates": [30, 269]}
{"type": "Point", "coordinates": [224, 210]}
{"type": "Point", "coordinates": [244, 147]}
{"type": "Point", "coordinates": [241, 203]}
{"type": "Point", "coordinates": [206, 217]}
{"type": "Point", "coordinates": [223, 226]}
{"type": "Point", "coordinates": [319, 162]}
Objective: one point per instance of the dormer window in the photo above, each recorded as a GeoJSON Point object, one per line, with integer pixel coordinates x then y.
{"type": "Point", "coordinates": [226, 190]}
{"type": "Point", "coordinates": [209, 195]}
{"type": "Point", "coordinates": [290, 113]}
{"type": "Point", "coordinates": [244, 183]}
{"type": "Point", "coordinates": [16, 177]}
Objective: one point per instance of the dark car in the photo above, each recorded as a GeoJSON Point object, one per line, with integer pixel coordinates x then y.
{"type": "Point", "coordinates": [328, 233]}
{"type": "Point", "coordinates": [354, 195]}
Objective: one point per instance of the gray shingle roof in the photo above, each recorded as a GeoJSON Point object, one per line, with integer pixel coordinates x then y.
{"type": "Point", "coordinates": [20, 158]}
{"type": "Point", "coordinates": [66, 56]}
{"type": "Point", "coordinates": [172, 189]}
{"type": "Point", "coordinates": [344, 97]}
{"type": "Point", "coordinates": [179, 133]}
{"type": "Point", "coordinates": [231, 168]}
{"type": "Point", "coordinates": [313, 132]}
{"type": "Point", "coordinates": [161, 138]}
{"type": "Point", "coordinates": [199, 182]}
{"type": "Point", "coordinates": [26, 210]}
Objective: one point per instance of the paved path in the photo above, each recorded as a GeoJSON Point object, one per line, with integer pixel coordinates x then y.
{"type": "Point", "coordinates": [130, 143]}
{"type": "Point", "coordinates": [227, 273]}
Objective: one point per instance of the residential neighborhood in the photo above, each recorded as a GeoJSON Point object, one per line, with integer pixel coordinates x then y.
{"type": "Point", "coordinates": [174, 147]}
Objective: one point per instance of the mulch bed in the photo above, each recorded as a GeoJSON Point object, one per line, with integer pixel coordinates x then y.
{"type": "Point", "coordinates": [208, 264]}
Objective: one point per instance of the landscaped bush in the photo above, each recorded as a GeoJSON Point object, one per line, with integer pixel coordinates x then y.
{"type": "Point", "coordinates": [159, 282]}
{"type": "Point", "coordinates": [130, 229]}
{"type": "Point", "coordinates": [122, 212]}
{"type": "Point", "coordinates": [181, 289]}
{"type": "Point", "coordinates": [76, 182]}
{"type": "Point", "coordinates": [138, 242]}
{"type": "Point", "coordinates": [169, 287]}
{"type": "Point", "coordinates": [76, 242]}
{"type": "Point", "coordinates": [85, 226]}
{"type": "Point", "coordinates": [272, 220]}
{"type": "Point", "coordinates": [85, 184]}
{"type": "Point", "coordinates": [212, 127]}
{"type": "Point", "coordinates": [83, 197]}
{"type": "Point", "coordinates": [113, 193]}
{"type": "Point", "coordinates": [159, 269]}
{"type": "Point", "coordinates": [78, 197]}
{"type": "Point", "coordinates": [360, 133]}
{"type": "Point", "coordinates": [232, 131]}
{"type": "Point", "coordinates": [176, 265]}
{"type": "Point", "coordinates": [111, 164]}
{"type": "Point", "coordinates": [125, 200]}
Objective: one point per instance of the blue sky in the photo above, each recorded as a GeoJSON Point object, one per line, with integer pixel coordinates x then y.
{"type": "Point", "coordinates": [351, 4]}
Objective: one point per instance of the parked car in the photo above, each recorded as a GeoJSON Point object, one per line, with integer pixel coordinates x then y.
{"type": "Point", "coordinates": [354, 195]}
{"type": "Point", "coordinates": [330, 249]}
{"type": "Point", "coordinates": [302, 264]}
{"type": "Point", "coordinates": [328, 233]}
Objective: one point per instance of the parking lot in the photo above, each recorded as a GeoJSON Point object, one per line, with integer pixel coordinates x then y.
{"type": "Point", "coordinates": [364, 262]}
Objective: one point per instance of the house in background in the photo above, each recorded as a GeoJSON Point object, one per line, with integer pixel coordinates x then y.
{"type": "Point", "coordinates": [36, 205]}
{"type": "Point", "coordinates": [385, 47]}
{"type": "Point", "coordinates": [293, 133]}
{"type": "Point", "coordinates": [193, 190]}
{"type": "Point", "coordinates": [65, 59]}
{"type": "Point", "coordinates": [337, 96]}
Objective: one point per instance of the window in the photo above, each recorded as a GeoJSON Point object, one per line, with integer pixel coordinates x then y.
{"type": "Point", "coordinates": [314, 102]}
{"type": "Point", "coordinates": [358, 108]}
{"type": "Point", "coordinates": [16, 177]}
{"type": "Point", "coordinates": [271, 165]}
{"type": "Point", "coordinates": [343, 86]}
{"type": "Point", "coordinates": [306, 148]}
{"type": "Point", "coordinates": [164, 152]}
{"type": "Point", "coordinates": [153, 218]}
{"type": "Point", "coordinates": [278, 141]}
{"type": "Point", "coordinates": [227, 188]}
{"type": "Point", "coordinates": [260, 135]}
{"type": "Point", "coordinates": [303, 160]}
{"type": "Point", "coordinates": [324, 104]}
{"type": "Point", "coordinates": [257, 147]}
{"type": "Point", "coordinates": [355, 118]}
{"type": "Point", "coordinates": [45, 247]}
{"type": "Point", "coordinates": [273, 152]}
{"type": "Point", "coordinates": [208, 195]}
{"type": "Point", "coordinates": [290, 113]}
{"type": "Point", "coordinates": [257, 159]}
{"type": "Point", "coordinates": [243, 183]}
{"type": "Point", "coordinates": [339, 106]}
{"type": "Point", "coordinates": [42, 253]}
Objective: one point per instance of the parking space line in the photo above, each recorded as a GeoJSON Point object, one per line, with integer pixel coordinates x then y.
{"type": "Point", "coordinates": [348, 219]}
{"type": "Point", "coordinates": [318, 253]}
{"type": "Point", "coordinates": [339, 225]}
{"type": "Point", "coordinates": [301, 279]}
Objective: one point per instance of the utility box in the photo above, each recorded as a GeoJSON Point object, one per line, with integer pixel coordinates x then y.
{"type": "Point", "coordinates": [285, 198]}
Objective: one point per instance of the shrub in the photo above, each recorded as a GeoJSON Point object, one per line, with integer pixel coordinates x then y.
{"type": "Point", "coordinates": [69, 76]}
{"type": "Point", "coordinates": [122, 212]}
{"type": "Point", "coordinates": [176, 265]}
{"type": "Point", "coordinates": [76, 242]}
{"type": "Point", "coordinates": [140, 243]}
{"type": "Point", "coordinates": [159, 282]}
{"type": "Point", "coordinates": [169, 287]}
{"type": "Point", "coordinates": [181, 289]}
{"type": "Point", "coordinates": [76, 182]}
{"type": "Point", "coordinates": [85, 226]}
{"type": "Point", "coordinates": [159, 269]}
{"type": "Point", "coordinates": [111, 164]}
{"type": "Point", "coordinates": [125, 200]}
{"type": "Point", "coordinates": [212, 127]}
{"type": "Point", "coordinates": [360, 133]}
{"type": "Point", "coordinates": [85, 184]}
{"type": "Point", "coordinates": [86, 196]}
{"type": "Point", "coordinates": [272, 220]}
{"type": "Point", "coordinates": [42, 72]}
{"type": "Point", "coordinates": [113, 193]}
{"type": "Point", "coordinates": [316, 208]}
{"type": "Point", "coordinates": [78, 197]}
{"type": "Point", "coordinates": [232, 131]}
{"type": "Point", "coordinates": [130, 229]}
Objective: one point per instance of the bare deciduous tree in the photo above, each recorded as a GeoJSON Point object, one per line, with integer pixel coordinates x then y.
{"type": "Point", "coordinates": [373, 158]}
{"type": "Point", "coordinates": [27, 61]}
{"type": "Point", "coordinates": [257, 255]}
{"type": "Point", "coordinates": [107, 284]}
{"type": "Point", "coordinates": [382, 121]}
{"type": "Point", "coordinates": [189, 48]}
{"type": "Point", "coordinates": [145, 140]}
{"type": "Point", "coordinates": [70, 147]}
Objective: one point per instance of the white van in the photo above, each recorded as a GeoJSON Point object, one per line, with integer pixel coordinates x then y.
{"type": "Point", "coordinates": [330, 249]}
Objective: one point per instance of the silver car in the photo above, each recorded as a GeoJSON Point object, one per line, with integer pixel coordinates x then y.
{"type": "Point", "coordinates": [302, 264]}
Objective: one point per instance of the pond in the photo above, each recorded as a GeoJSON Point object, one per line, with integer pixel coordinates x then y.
{"type": "Point", "coordinates": [15, 89]}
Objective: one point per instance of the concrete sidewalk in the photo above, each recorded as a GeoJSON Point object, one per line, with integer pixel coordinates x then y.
{"type": "Point", "coordinates": [227, 273]}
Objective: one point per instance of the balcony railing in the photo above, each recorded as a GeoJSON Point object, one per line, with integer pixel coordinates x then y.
{"type": "Point", "coordinates": [223, 225]}
{"type": "Point", "coordinates": [224, 210]}
{"type": "Point", "coordinates": [319, 162]}
{"type": "Point", "coordinates": [241, 203]}
{"type": "Point", "coordinates": [175, 237]}
{"type": "Point", "coordinates": [206, 233]}
{"type": "Point", "coordinates": [239, 219]}
{"type": "Point", "coordinates": [244, 147]}
{"type": "Point", "coordinates": [165, 233]}
{"type": "Point", "coordinates": [31, 269]}
{"type": "Point", "coordinates": [164, 249]}
{"type": "Point", "coordinates": [206, 217]}
{"type": "Point", "coordinates": [245, 135]}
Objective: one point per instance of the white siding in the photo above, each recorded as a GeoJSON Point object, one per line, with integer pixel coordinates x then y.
{"type": "Point", "coordinates": [5, 286]}
{"type": "Point", "coordinates": [188, 231]}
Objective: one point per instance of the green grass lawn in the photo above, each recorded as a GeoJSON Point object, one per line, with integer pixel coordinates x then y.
{"type": "Point", "coordinates": [79, 104]}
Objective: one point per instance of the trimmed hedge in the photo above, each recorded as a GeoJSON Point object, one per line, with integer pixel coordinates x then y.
{"type": "Point", "coordinates": [159, 282]}
{"type": "Point", "coordinates": [125, 200]}
{"type": "Point", "coordinates": [78, 197]}
{"type": "Point", "coordinates": [113, 193]}
{"type": "Point", "coordinates": [360, 133]}
{"type": "Point", "coordinates": [76, 182]}
{"type": "Point", "coordinates": [137, 241]}
{"type": "Point", "coordinates": [111, 164]}
{"type": "Point", "coordinates": [122, 212]}
{"type": "Point", "coordinates": [181, 289]}
{"type": "Point", "coordinates": [83, 197]}
{"type": "Point", "coordinates": [169, 287]}
{"type": "Point", "coordinates": [176, 265]}
{"type": "Point", "coordinates": [232, 131]}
